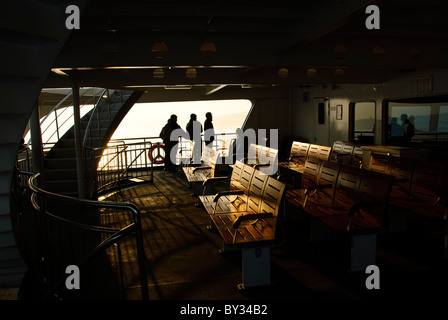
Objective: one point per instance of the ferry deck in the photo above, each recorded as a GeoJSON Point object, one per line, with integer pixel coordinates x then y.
{"type": "Point", "coordinates": [369, 76]}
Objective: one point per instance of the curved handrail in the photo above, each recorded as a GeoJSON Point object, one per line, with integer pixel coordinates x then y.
{"type": "Point", "coordinates": [91, 116]}
{"type": "Point", "coordinates": [132, 229]}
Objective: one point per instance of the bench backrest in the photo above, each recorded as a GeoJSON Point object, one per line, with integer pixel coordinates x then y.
{"type": "Point", "coordinates": [402, 169]}
{"type": "Point", "coordinates": [328, 173]}
{"type": "Point", "coordinates": [235, 178]}
{"type": "Point", "coordinates": [337, 146]}
{"type": "Point", "coordinates": [379, 163]}
{"type": "Point", "coordinates": [299, 149]}
{"type": "Point", "coordinates": [268, 156]}
{"type": "Point", "coordinates": [427, 180]}
{"type": "Point", "coordinates": [373, 194]}
{"type": "Point", "coordinates": [348, 147]}
{"type": "Point", "coordinates": [319, 152]}
{"type": "Point", "coordinates": [375, 187]}
{"type": "Point", "coordinates": [245, 178]}
{"type": "Point", "coordinates": [311, 170]}
{"type": "Point", "coordinates": [210, 157]}
{"type": "Point", "coordinates": [324, 153]}
{"type": "Point", "coordinates": [255, 191]}
{"type": "Point", "coordinates": [253, 153]}
{"type": "Point", "coordinates": [347, 185]}
{"type": "Point", "coordinates": [357, 155]}
{"type": "Point", "coordinates": [272, 196]}
{"type": "Point", "coordinates": [299, 152]}
{"type": "Point", "coordinates": [263, 156]}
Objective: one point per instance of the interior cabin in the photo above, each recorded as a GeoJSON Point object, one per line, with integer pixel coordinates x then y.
{"type": "Point", "coordinates": [353, 96]}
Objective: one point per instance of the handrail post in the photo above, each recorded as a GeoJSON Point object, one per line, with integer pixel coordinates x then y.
{"type": "Point", "coordinates": [36, 141]}
{"type": "Point", "coordinates": [78, 143]}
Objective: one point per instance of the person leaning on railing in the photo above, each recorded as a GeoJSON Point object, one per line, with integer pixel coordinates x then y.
{"type": "Point", "coordinates": [169, 144]}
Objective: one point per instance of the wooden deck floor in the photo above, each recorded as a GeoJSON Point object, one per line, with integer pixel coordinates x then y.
{"type": "Point", "coordinates": [184, 264]}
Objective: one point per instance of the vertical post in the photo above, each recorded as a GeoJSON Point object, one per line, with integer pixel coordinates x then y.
{"type": "Point", "coordinates": [78, 144]}
{"type": "Point", "coordinates": [36, 142]}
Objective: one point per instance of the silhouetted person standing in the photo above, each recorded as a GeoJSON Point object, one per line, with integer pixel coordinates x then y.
{"type": "Point", "coordinates": [409, 130]}
{"type": "Point", "coordinates": [209, 136]}
{"type": "Point", "coordinates": [194, 129]}
{"type": "Point", "coordinates": [169, 144]}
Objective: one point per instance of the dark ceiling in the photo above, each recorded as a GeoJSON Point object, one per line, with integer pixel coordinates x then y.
{"type": "Point", "coordinates": [318, 42]}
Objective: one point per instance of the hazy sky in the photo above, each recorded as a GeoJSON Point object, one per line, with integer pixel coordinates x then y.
{"type": "Point", "coordinates": [147, 119]}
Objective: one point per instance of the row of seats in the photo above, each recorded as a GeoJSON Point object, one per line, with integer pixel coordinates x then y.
{"type": "Point", "coordinates": [360, 202]}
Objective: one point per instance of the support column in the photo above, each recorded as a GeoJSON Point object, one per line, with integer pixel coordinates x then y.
{"type": "Point", "coordinates": [36, 142]}
{"type": "Point", "coordinates": [78, 144]}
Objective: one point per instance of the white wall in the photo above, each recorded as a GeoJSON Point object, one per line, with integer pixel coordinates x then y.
{"type": "Point", "coordinates": [304, 119]}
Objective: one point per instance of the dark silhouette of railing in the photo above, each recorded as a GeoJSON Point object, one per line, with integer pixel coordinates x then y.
{"type": "Point", "coordinates": [49, 205]}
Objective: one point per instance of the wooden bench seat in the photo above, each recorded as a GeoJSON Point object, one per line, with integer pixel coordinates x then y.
{"type": "Point", "coordinates": [263, 158]}
{"type": "Point", "coordinates": [357, 211]}
{"type": "Point", "coordinates": [427, 189]}
{"type": "Point", "coordinates": [245, 193]}
{"type": "Point", "coordinates": [253, 231]}
{"type": "Point", "coordinates": [205, 170]}
{"type": "Point", "coordinates": [400, 168]}
{"type": "Point", "coordinates": [419, 192]}
{"type": "Point", "coordinates": [297, 157]}
{"type": "Point", "coordinates": [348, 153]}
{"type": "Point", "coordinates": [317, 187]}
{"type": "Point", "coordinates": [300, 153]}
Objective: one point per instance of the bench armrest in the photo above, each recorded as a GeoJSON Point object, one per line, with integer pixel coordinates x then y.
{"type": "Point", "coordinates": [363, 205]}
{"type": "Point", "coordinates": [401, 179]}
{"type": "Point", "coordinates": [292, 157]}
{"type": "Point", "coordinates": [342, 155]}
{"type": "Point", "coordinates": [201, 168]}
{"type": "Point", "coordinates": [359, 206]}
{"type": "Point", "coordinates": [251, 216]}
{"type": "Point", "coordinates": [213, 180]}
{"type": "Point", "coordinates": [317, 187]}
{"type": "Point", "coordinates": [227, 193]}
{"type": "Point", "coordinates": [261, 165]}
{"type": "Point", "coordinates": [284, 175]}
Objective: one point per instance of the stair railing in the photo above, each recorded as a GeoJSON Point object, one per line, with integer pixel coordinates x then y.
{"type": "Point", "coordinates": [96, 122]}
{"type": "Point", "coordinates": [87, 134]}
{"type": "Point", "coordinates": [54, 282]}
{"type": "Point", "coordinates": [117, 163]}
{"type": "Point", "coordinates": [57, 118]}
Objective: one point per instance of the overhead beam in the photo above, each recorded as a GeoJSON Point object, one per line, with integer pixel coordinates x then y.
{"type": "Point", "coordinates": [189, 10]}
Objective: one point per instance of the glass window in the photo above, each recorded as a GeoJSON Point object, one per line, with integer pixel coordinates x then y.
{"type": "Point", "coordinates": [364, 121]}
{"type": "Point", "coordinates": [428, 119]}
{"type": "Point", "coordinates": [419, 116]}
{"type": "Point", "coordinates": [442, 125]}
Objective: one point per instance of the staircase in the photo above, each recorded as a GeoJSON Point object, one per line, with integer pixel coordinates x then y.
{"type": "Point", "coordinates": [97, 126]}
{"type": "Point", "coordinates": [31, 35]}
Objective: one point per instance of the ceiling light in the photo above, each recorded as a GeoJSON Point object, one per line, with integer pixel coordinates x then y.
{"type": "Point", "coordinates": [159, 49]}
{"type": "Point", "coordinates": [158, 73]}
{"type": "Point", "coordinates": [191, 73]}
{"type": "Point", "coordinates": [338, 73]}
{"type": "Point", "coordinates": [283, 73]}
{"type": "Point", "coordinates": [340, 51]}
{"type": "Point", "coordinates": [378, 52]}
{"type": "Point", "coordinates": [208, 49]}
{"type": "Point", "coordinates": [311, 72]}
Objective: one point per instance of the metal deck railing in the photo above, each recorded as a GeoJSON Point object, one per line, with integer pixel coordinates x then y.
{"type": "Point", "coordinates": [63, 233]}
